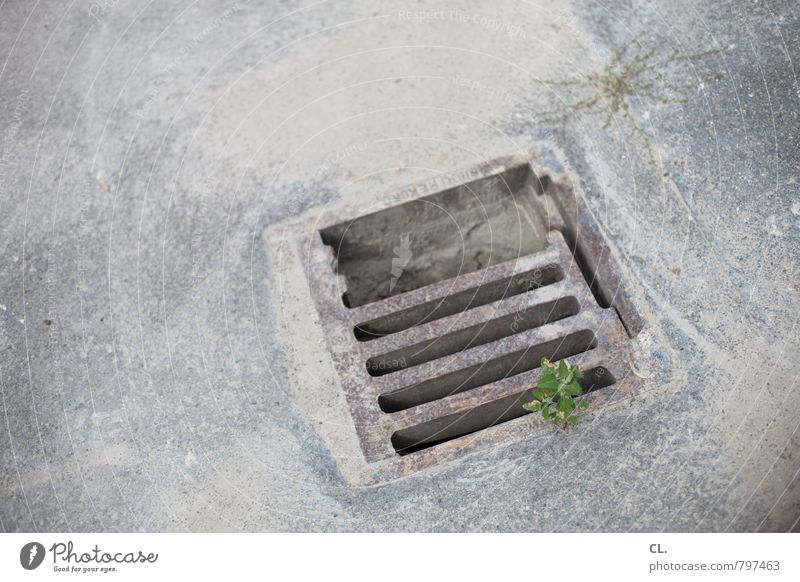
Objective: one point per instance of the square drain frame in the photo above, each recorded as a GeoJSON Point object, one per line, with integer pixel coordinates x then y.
{"type": "Point", "coordinates": [423, 392]}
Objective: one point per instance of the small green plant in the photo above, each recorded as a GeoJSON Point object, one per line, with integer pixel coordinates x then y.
{"type": "Point", "coordinates": [558, 396]}
{"type": "Point", "coordinates": [636, 74]}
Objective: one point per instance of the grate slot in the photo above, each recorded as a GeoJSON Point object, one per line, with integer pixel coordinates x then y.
{"type": "Point", "coordinates": [486, 372]}
{"type": "Point", "coordinates": [472, 336]}
{"type": "Point", "coordinates": [458, 302]}
{"type": "Point", "coordinates": [445, 428]}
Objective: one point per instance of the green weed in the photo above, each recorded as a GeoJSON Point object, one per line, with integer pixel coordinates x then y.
{"type": "Point", "coordinates": [635, 72]}
{"type": "Point", "coordinates": [558, 395]}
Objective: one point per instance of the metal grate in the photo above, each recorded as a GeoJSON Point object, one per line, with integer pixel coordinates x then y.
{"type": "Point", "coordinates": [439, 310]}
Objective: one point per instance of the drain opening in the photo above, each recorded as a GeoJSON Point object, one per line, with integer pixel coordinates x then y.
{"type": "Point", "coordinates": [481, 417]}
{"type": "Point", "coordinates": [458, 302]}
{"type": "Point", "coordinates": [475, 335]}
{"type": "Point", "coordinates": [457, 231]}
{"type": "Point", "coordinates": [486, 372]}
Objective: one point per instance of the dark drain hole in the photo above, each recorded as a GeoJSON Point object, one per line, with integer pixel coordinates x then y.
{"type": "Point", "coordinates": [458, 302]}
{"type": "Point", "coordinates": [462, 229]}
{"type": "Point", "coordinates": [486, 372]}
{"type": "Point", "coordinates": [475, 335]}
{"type": "Point", "coordinates": [445, 428]}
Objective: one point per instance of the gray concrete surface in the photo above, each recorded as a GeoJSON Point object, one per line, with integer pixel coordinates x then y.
{"type": "Point", "coordinates": [146, 380]}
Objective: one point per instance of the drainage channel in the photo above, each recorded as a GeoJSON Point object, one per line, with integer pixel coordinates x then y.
{"type": "Point", "coordinates": [451, 300]}
{"type": "Point", "coordinates": [489, 292]}
{"type": "Point", "coordinates": [475, 335]}
{"type": "Point", "coordinates": [486, 372]}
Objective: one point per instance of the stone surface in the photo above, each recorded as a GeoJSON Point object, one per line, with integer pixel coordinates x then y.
{"type": "Point", "coordinates": [144, 378]}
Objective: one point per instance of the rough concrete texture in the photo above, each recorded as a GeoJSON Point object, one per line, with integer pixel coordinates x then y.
{"type": "Point", "coordinates": [146, 149]}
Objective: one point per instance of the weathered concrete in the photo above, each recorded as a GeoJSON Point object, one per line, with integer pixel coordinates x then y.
{"type": "Point", "coordinates": [146, 151]}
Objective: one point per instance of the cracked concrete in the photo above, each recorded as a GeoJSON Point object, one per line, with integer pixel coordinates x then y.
{"type": "Point", "coordinates": [145, 150]}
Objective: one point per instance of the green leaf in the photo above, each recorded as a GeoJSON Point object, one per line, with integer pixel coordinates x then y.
{"type": "Point", "coordinates": [578, 373]}
{"type": "Point", "coordinates": [548, 383]}
{"type": "Point", "coordinates": [538, 394]}
{"type": "Point", "coordinates": [574, 389]}
{"type": "Point", "coordinates": [583, 404]}
{"type": "Point", "coordinates": [563, 369]}
{"type": "Point", "coordinates": [545, 412]}
{"type": "Point", "coordinates": [532, 406]}
{"type": "Point", "coordinates": [573, 420]}
{"type": "Point", "coordinates": [566, 405]}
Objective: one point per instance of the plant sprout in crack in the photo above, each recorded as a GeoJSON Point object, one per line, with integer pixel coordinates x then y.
{"type": "Point", "coordinates": [558, 396]}
{"type": "Point", "coordinates": [634, 72]}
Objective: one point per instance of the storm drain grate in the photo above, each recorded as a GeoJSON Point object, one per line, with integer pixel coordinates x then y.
{"type": "Point", "coordinates": [440, 308]}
